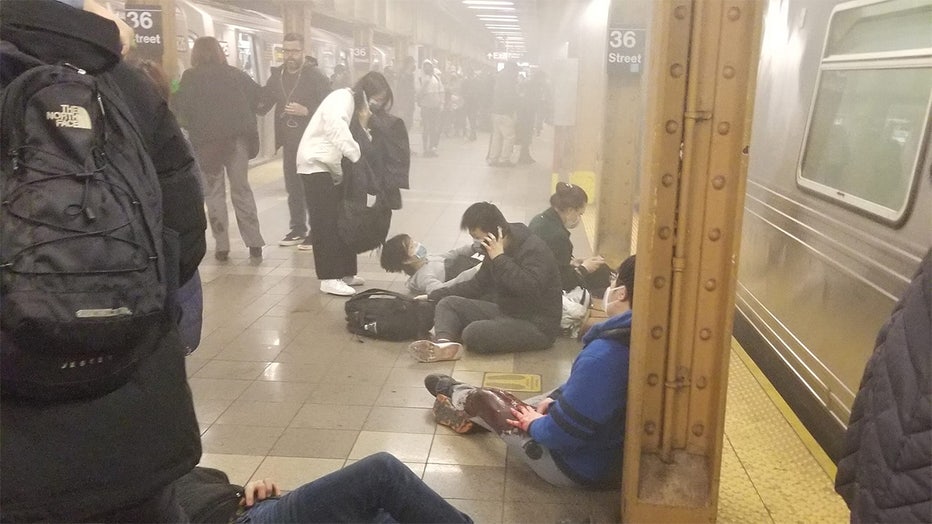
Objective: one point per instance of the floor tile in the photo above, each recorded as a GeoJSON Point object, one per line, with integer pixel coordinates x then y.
{"type": "Point", "coordinates": [477, 482]}
{"type": "Point", "coordinates": [294, 372]}
{"type": "Point", "coordinates": [315, 443]}
{"type": "Point", "coordinates": [252, 413]}
{"type": "Point", "coordinates": [331, 416]}
{"type": "Point", "coordinates": [406, 447]}
{"type": "Point", "coordinates": [353, 373]}
{"type": "Point", "coordinates": [240, 440]}
{"type": "Point", "coordinates": [231, 369]}
{"type": "Point", "coordinates": [209, 410]}
{"type": "Point", "coordinates": [400, 420]}
{"type": "Point", "coordinates": [480, 449]}
{"type": "Point", "coordinates": [239, 468]}
{"type": "Point", "coordinates": [291, 473]}
{"type": "Point", "coordinates": [545, 512]}
{"type": "Point", "coordinates": [405, 397]}
{"type": "Point", "coordinates": [355, 394]}
{"type": "Point", "coordinates": [217, 388]}
{"type": "Point", "coordinates": [269, 391]}
{"type": "Point", "coordinates": [523, 485]}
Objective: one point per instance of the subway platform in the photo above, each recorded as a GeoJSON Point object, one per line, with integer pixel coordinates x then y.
{"type": "Point", "coordinates": [282, 390]}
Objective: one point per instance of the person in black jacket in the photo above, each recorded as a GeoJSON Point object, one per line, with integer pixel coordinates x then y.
{"type": "Point", "coordinates": [567, 205]}
{"type": "Point", "coordinates": [114, 457]}
{"type": "Point", "coordinates": [295, 89]}
{"type": "Point", "coordinates": [217, 104]}
{"type": "Point", "coordinates": [885, 474]}
{"type": "Point", "coordinates": [514, 302]}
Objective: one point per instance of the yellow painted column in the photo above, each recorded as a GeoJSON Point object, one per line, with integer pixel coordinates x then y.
{"type": "Point", "coordinates": [703, 65]}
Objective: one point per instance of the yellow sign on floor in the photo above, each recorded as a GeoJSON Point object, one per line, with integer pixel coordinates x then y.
{"type": "Point", "coordinates": [512, 382]}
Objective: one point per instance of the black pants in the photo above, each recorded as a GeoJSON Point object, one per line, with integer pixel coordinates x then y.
{"type": "Point", "coordinates": [332, 258]}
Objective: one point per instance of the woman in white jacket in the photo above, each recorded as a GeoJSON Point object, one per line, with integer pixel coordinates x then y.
{"type": "Point", "coordinates": [326, 140]}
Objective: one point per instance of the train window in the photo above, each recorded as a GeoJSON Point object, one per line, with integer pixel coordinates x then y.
{"type": "Point", "coordinates": [869, 116]}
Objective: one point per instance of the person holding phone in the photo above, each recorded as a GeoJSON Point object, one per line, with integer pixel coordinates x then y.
{"type": "Point", "coordinates": [513, 303]}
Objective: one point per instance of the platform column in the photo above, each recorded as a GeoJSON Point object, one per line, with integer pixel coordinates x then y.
{"type": "Point", "coordinates": [165, 51]}
{"type": "Point", "coordinates": [702, 72]}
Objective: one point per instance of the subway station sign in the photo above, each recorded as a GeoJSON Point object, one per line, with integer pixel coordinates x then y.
{"type": "Point", "coordinates": [626, 50]}
{"type": "Point", "coordinates": [146, 21]}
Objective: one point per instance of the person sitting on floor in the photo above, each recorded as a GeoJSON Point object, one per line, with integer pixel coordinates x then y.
{"type": "Point", "coordinates": [513, 303]}
{"type": "Point", "coordinates": [377, 488]}
{"type": "Point", "coordinates": [573, 435]}
{"type": "Point", "coordinates": [428, 272]}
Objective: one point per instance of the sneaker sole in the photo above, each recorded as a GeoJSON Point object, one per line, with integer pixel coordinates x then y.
{"type": "Point", "coordinates": [302, 248]}
{"type": "Point", "coordinates": [286, 243]}
{"type": "Point", "coordinates": [445, 414]}
{"type": "Point", "coordinates": [426, 351]}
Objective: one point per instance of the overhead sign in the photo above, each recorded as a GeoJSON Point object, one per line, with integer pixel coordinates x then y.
{"type": "Point", "coordinates": [361, 54]}
{"type": "Point", "coordinates": [626, 50]}
{"type": "Point", "coordinates": [146, 22]}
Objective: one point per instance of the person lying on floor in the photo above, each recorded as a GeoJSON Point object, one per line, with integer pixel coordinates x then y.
{"type": "Point", "coordinates": [377, 488]}
{"type": "Point", "coordinates": [428, 272]}
{"type": "Point", "coordinates": [573, 435]}
{"type": "Point", "coordinates": [514, 302]}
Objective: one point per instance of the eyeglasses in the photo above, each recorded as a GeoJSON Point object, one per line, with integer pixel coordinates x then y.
{"type": "Point", "coordinates": [293, 51]}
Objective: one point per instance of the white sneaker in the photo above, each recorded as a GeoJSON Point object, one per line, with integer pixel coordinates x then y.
{"type": "Point", "coordinates": [336, 287]}
{"type": "Point", "coordinates": [305, 246]}
{"type": "Point", "coordinates": [428, 351]}
{"type": "Point", "coordinates": [354, 281]}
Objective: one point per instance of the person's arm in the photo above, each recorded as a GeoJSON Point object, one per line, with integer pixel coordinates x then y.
{"type": "Point", "coordinates": [268, 94]}
{"type": "Point", "coordinates": [336, 113]}
{"type": "Point", "coordinates": [472, 288]}
{"type": "Point", "coordinates": [593, 396]}
{"type": "Point", "coordinates": [259, 490]}
{"type": "Point", "coordinates": [525, 276]}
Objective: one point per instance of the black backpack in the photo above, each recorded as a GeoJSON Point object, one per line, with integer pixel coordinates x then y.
{"type": "Point", "coordinates": [207, 496]}
{"type": "Point", "coordinates": [82, 261]}
{"type": "Point", "coordinates": [386, 315]}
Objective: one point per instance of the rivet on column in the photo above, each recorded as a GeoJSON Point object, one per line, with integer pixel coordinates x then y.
{"type": "Point", "coordinates": [672, 126]}
{"type": "Point", "coordinates": [710, 284]}
{"type": "Point", "coordinates": [656, 332]}
{"type": "Point", "coordinates": [664, 232]}
{"type": "Point", "coordinates": [650, 427]}
{"type": "Point", "coordinates": [676, 70]}
{"type": "Point", "coordinates": [705, 333]}
{"type": "Point", "coordinates": [653, 379]}
{"type": "Point", "coordinates": [698, 430]}
{"type": "Point", "coordinates": [728, 72]}
{"type": "Point", "coordinates": [715, 234]}
{"type": "Point", "coordinates": [666, 180]}
{"type": "Point", "coordinates": [659, 282]}
{"type": "Point", "coordinates": [718, 182]}
{"type": "Point", "coordinates": [701, 383]}
{"type": "Point", "coordinates": [724, 128]}
{"type": "Point", "coordinates": [734, 14]}
{"type": "Point", "coordinates": [680, 12]}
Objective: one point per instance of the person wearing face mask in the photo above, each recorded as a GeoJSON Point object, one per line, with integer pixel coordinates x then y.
{"type": "Point", "coordinates": [567, 205]}
{"type": "Point", "coordinates": [573, 435]}
{"type": "Point", "coordinates": [513, 303]}
{"type": "Point", "coordinates": [401, 253]}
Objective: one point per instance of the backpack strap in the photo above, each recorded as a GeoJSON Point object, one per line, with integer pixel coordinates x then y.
{"type": "Point", "coordinates": [14, 62]}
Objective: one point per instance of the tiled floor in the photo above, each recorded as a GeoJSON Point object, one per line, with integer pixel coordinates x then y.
{"type": "Point", "coordinates": [282, 390]}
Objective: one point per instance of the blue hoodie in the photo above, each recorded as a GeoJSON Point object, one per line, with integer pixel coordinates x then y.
{"type": "Point", "coordinates": [585, 426]}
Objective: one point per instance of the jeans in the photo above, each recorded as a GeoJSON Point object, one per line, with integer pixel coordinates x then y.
{"type": "Point", "coordinates": [231, 156]}
{"type": "Point", "coordinates": [297, 201]}
{"type": "Point", "coordinates": [362, 492]}
{"type": "Point", "coordinates": [483, 328]}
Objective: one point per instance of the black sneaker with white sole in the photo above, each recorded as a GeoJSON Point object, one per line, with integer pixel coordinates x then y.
{"type": "Point", "coordinates": [291, 239]}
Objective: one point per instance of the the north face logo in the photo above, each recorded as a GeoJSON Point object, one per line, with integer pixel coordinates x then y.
{"type": "Point", "coordinates": [70, 116]}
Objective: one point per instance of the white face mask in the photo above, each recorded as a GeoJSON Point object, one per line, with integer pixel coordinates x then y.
{"type": "Point", "coordinates": [606, 298]}
{"type": "Point", "coordinates": [420, 251]}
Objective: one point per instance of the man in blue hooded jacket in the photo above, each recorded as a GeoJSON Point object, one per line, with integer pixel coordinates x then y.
{"type": "Point", "coordinates": [573, 435]}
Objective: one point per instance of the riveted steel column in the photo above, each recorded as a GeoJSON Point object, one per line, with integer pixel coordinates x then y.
{"type": "Point", "coordinates": [702, 67]}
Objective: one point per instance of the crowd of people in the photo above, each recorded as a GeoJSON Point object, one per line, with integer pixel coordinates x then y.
{"type": "Point", "coordinates": [502, 293]}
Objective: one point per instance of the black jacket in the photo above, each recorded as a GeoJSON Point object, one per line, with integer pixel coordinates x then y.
{"type": "Point", "coordinates": [217, 102]}
{"type": "Point", "coordinates": [66, 461]}
{"type": "Point", "coordinates": [885, 474]}
{"type": "Point", "coordinates": [524, 282]}
{"type": "Point", "coordinates": [551, 230]}
{"type": "Point", "coordinates": [312, 87]}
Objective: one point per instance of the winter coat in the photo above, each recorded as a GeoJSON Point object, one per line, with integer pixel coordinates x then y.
{"type": "Point", "coordinates": [524, 281]}
{"type": "Point", "coordinates": [312, 87]}
{"type": "Point", "coordinates": [584, 428]}
{"type": "Point", "coordinates": [885, 474]}
{"type": "Point", "coordinates": [66, 461]}
{"type": "Point", "coordinates": [549, 227]}
{"type": "Point", "coordinates": [217, 102]}
{"type": "Point", "coordinates": [327, 138]}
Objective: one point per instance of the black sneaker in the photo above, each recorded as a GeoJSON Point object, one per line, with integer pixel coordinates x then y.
{"type": "Point", "coordinates": [255, 252]}
{"type": "Point", "coordinates": [291, 239]}
{"type": "Point", "coordinates": [442, 384]}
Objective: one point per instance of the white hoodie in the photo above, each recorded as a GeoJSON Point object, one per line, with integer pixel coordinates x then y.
{"type": "Point", "coordinates": [327, 138]}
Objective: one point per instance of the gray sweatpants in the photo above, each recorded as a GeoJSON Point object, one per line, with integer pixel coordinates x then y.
{"type": "Point", "coordinates": [545, 467]}
{"type": "Point", "coordinates": [229, 157]}
{"type": "Point", "coordinates": [483, 328]}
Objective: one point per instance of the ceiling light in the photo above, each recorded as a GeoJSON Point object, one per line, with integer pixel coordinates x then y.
{"type": "Point", "coordinates": [487, 2]}
{"type": "Point", "coordinates": [497, 17]}
{"type": "Point", "coordinates": [499, 26]}
{"type": "Point", "coordinates": [491, 8]}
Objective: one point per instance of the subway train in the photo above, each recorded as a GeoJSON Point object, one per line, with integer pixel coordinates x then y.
{"type": "Point", "coordinates": [837, 211]}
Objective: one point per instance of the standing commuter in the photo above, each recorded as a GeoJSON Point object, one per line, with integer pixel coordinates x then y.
{"type": "Point", "coordinates": [296, 89]}
{"type": "Point", "coordinates": [504, 107]}
{"type": "Point", "coordinates": [404, 92]}
{"type": "Point", "coordinates": [113, 457]}
{"type": "Point", "coordinates": [217, 104]}
{"type": "Point", "coordinates": [430, 100]}
{"type": "Point", "coordinates": [326, 142]}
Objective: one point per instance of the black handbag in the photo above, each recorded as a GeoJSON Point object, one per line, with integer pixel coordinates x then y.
{"type": "Point", "coordinates": [363, 228]}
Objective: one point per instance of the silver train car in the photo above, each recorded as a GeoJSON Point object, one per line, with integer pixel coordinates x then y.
{"type": "Point", "coordinates": [837, 214]}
